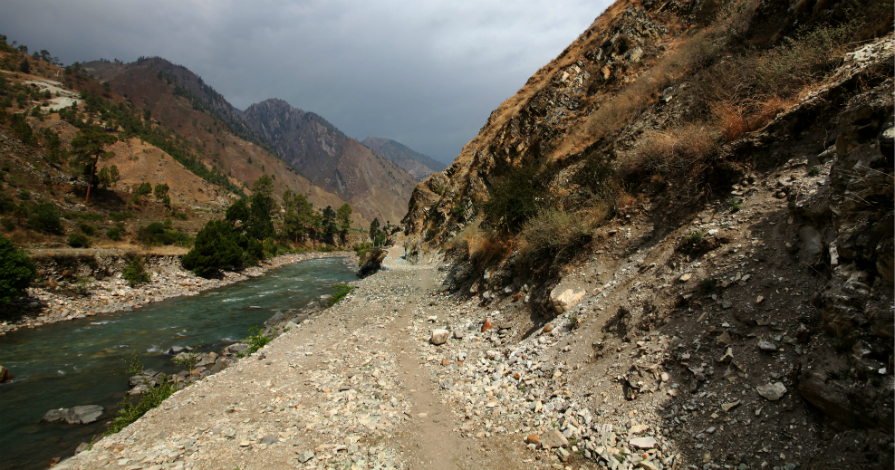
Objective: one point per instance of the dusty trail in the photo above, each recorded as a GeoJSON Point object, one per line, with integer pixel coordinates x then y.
{"type": "Point", "coordinates": [346, 389]}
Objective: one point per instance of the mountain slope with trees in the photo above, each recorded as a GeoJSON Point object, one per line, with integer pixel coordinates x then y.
{"type": "Point", "coordinates": [374, 186]}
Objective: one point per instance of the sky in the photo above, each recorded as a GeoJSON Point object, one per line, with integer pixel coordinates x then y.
{"type": "Point", "coordinates": [424, 73]}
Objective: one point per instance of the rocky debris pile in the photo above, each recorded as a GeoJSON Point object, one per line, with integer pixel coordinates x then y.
{"type": "Point", "coordinates": [371, 262]}
{"type": "Point", "coordinates": [106, 292]}
{"type": "Point", "coordinates": [77, 415]}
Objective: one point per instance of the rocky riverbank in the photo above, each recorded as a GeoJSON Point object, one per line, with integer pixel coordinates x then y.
{"type": "Point", "coordinates": [79, 288]}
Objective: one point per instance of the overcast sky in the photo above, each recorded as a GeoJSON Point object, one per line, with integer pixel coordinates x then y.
{"type": "Point", "coordinates": [425, 73]}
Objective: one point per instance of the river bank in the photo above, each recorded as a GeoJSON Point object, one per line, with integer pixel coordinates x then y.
{"type": "Point", "coordinates": [88, 294]}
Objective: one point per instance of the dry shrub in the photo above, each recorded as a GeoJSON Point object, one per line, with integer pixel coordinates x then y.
{"type": "Point", "coordinates": [767, 110]}
{"type": "Point", "coordinates": [485, 247]}
{"type": "Point", "coordinates": [673, 151]}
{"type": "Point", "coordinates": [730, 118]}
{"type": "Point", "coordinates": [554, 230]}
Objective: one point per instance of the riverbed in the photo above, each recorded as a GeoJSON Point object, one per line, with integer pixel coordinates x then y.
{"type": "Point", "coordinates": [81, 362]}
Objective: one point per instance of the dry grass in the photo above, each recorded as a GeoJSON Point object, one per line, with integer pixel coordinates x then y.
{"type": "Point", "coordinates": [555, 230]}
{"type": "Point", "coordinates": [730, 118]}
{"type": "Point", "coordinates": [673, 151]}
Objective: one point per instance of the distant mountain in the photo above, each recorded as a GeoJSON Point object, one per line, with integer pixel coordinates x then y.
{"type": "Point", "coordinates": [332, 160]}
{"type": "Point", "coordinates": [180, 100]}
{"type": "Point", "coordinates": [419, 166]}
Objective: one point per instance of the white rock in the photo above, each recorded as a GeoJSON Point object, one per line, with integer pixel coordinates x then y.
{"type": "Point", "coordinates": [439, 337]}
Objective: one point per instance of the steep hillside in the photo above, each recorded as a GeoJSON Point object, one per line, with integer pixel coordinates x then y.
{"type": "Point", "coordinates": [317, 149]}
{"type": "Point", "coordinates": [217, 140]}
{"type": "Point", "coordinates": [419, 166]}
{"type": "Point", "coordinates": [696, 198]}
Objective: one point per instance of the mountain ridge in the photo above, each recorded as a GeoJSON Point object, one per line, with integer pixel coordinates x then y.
{"type": "Point", "coordinates": [419, 165]}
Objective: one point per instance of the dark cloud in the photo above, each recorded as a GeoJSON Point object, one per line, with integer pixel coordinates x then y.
{"type": "Point", "coordinates": [427, 74]}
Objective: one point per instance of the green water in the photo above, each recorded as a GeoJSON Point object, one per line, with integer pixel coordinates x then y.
{"type": "Point", "coordinates": [81, 362]}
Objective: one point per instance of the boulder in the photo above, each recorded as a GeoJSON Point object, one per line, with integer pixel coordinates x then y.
{"type": "Point", "coordinates": [175, 350]}
{"type": "Point", "coordinates": [148, 377]}
{"type": "Point", "coordinates": [78, 415]}
{"type": "Point", "coordinates": [553, 439]}
{"type": "Point", "coordinates": [773, 392]}
{"type": "Point", "coordinates": [5, 375]}
{"type": "Point", "coordinates": [371, 262]}
{"type": "Point", "coordinates": [565, 300]}
{"type": "Point", "coordinates": [643, 442]}
{"type": "Point", "coordinates": [237, 348]}
{"type": "Point", "coordinates": [439, 337]}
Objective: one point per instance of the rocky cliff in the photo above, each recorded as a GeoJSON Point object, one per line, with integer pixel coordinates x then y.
{"type": "Point", "coordinates": [707, 192]}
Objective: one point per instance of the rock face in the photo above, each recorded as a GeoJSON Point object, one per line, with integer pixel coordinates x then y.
{"type": "Point", "coordinates": [374, 186]}
{"type": "Point", "coordinates": [418, 165]}
{"type": "Point", "coordinates": [371, 262]}
{"type": "Point", "coordinates": [78, 415]}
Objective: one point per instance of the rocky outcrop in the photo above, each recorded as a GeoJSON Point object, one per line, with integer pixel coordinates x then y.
{"type": "Point", "coordinates": [371, 262]}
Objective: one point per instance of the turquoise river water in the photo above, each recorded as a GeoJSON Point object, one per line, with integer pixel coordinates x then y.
{"type": "Point", "coordinates": [81, 362]}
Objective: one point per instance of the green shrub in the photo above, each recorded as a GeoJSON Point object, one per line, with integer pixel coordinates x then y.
{"type": "Point", "coordinates": [340, 291]}
{"type": "Point", "coordinates": [156, 234]}
{"type": "Point", "coordinates": [8, 224]}
{"type": "Point", "coordinates": [121, 216]}
{"type": "Point", "coordinates": [88, 229]}
{"type": "Point", "coordinates": [116, 232]}
{"type": "Point", "coordinates": [515, 197]}
{"type": "Point", "coordinates": [693, 237]}
{"type": "Point", "coordinates": [78, 240]}
{"type": "Point", "coordinates": [256, 340]}
{"type": "Point", "coordinates": [135, 272]}
{"type": "Point", "coordinates": [128, 412]}
{"type": "Point", "coordinates": [46, 218]}
{"type": "Point", "coordinates": [813, 171]}
{"type": "Point", "coordinates": [180, 216]}
{"type": "Point", "coordinates": [733, 205]}
{"type": "Point", "coordinates": [16, 270]}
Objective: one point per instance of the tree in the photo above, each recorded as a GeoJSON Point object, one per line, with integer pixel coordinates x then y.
{"type": "Point", "coordinates": [374, 229]}
{"type": "Point", "coordinates": [142, 190]}
{"type": "Point", "coordinates": [215, 249]}
{"type": "Point", "coordinates": [260, 223]}
{"type": "Point", "coordinates": [88, 148]}
{"type": "Point", "coordinates": [329, 225]}
{"type": "Point", "coordinates": [343, 217]}
{"type": "Point", "coordinates": [298, 221]}
{"type": "Point", "coordinates": [16, 270]}
{"type": "Point", "coordinates": [238, 212]}
{"type": "Point", "coordinates": [24, 66]}
{"type": "Point", "coordinates": [160, 191]}
{"type": "Point", "coordinates": [108, 177]}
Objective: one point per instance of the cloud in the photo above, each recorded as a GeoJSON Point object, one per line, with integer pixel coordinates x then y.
{"type": "Point", "coordinates": [427, 74]}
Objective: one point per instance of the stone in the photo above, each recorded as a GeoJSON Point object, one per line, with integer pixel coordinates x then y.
{"type": "Point", "coordinates": [269, 440]}
{"type": "Point", "coordinates": [439, 337]}
{"type": "Point", "coordinates": [305, 456]}
{"type": "Point", "coordinates": [562, 454]}
{"type": "Point", "coordinates": [773, 392]}
{"type": "Point", "coordinates": [175, 350]}
{"type": "Point", "coordinates": [638, 429]}
{"type": "Point", "coordinates": [5, 375]}
{"type": "Point", "coordinates": [553, 439]}
{"type": "Point", "coordinates": [727, 357]}
{"type": "Point", "coordinates": [730, 406]}
{"type": "Point", "coordinates": [725, 304]}
{"type": "Point", "coordinates": [548, 328]}
{"type": "Point", "coordinates": [533, 439]}
{"type": "Point", "coordinates": [759, 299]}
{"type": "Point", "coordinates": [724, 340]}
{"type": "Point", "coordinates": [237, 348]}
{"type": "Point", "coordinates": [686, 277]}
{"type": "Point", "coordinates": [78, 415]}
{"type": "Point", "coordinates": [767, 346]}
{"type": "Point", "coordinates": [643, 442]}
{"type": "Point", "coordinates": [487, 325]}
{"type": "Point", "coordinates": [647, 465]}
{"type": "Point", "coordinates": [566, 299]}
{"type": "Point", "coordinates": [458, 334]}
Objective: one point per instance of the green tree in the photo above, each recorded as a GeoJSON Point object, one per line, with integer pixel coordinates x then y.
{"type": "Point", "coordinates": [329, 226]}
{"type": "Point", "coordinates": [374, 229]}
{"type": "Point", "coordinates": [46, 218]}
{"type": "Point", "coordinates": [88, 148]}
{"type": "Point", "coordinates": [24, 66]}
{"type": "Point", "coordinates": [144, 189]}
{"type": "Point", "coordinates": [343, 217]}
{"type": "Point", "coordinates": [16, 270]}
{"type": "Point", "coordinates": [238, 212]}
{"type": "Point", "coordinates": [215, 249]}
{"type": "Point", "coordinates": [161, 190]}
{"type": "Point", "coordinates": [108, 177]}
{"type": "Point", "coordinates": [298, 221]}
{"type": "Point", "coordinates": [262, 206]}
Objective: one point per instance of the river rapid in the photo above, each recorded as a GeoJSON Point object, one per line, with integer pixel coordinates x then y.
{"type": "Point", "coordinates": [82, 362]}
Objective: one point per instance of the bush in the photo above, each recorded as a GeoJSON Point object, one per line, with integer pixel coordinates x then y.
{"type": "Point", "coordinates": [116, 232]}
{"type": "Point", "coordinates": [135, 272]}
{"type": "Point", "coordinates": [121, 216]}
{"type": "Point", "coordinates": [78, 240]}
{"type": "Point", "coordinates": [129, 412]}
{"type": "Point", "coordinates": [46, 218]}
{"type": "Point", "coordinates": [341, 290]}
{"type": "Point", "coordinates": [555, 230]}
{"type": "Point", "coordinates": [256, 340]}
{"type": "Point", "coordinates": [515, 197]}
{"type": "Point", "coordinates": [156, 234]}
{"type": "Point", "coordinates": [88, 229]}
{"type": "Point", "coordinates": [8, 224]}
{"type": "Point", "coordinates": [16, 270]}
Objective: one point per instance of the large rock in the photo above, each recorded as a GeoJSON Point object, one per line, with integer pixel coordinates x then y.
{"type": "Point", "coordinates": [78, 415]}
{"type": "Point", "coordinates": [371, 262]}
{"type": "Point", "coordinates": [149, 377]}
{"type": "Point", "coordinates": [553, 439]}
{"type": "Point", "coordinates": [566, 299]}
{"type": "Point", "coordinates": [5, 374]}
{"type": "Point", "coordinates": [439, 337]}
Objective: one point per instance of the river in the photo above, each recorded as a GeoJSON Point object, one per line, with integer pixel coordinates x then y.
{"type": "Point", "coordinates": [81, 362]}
